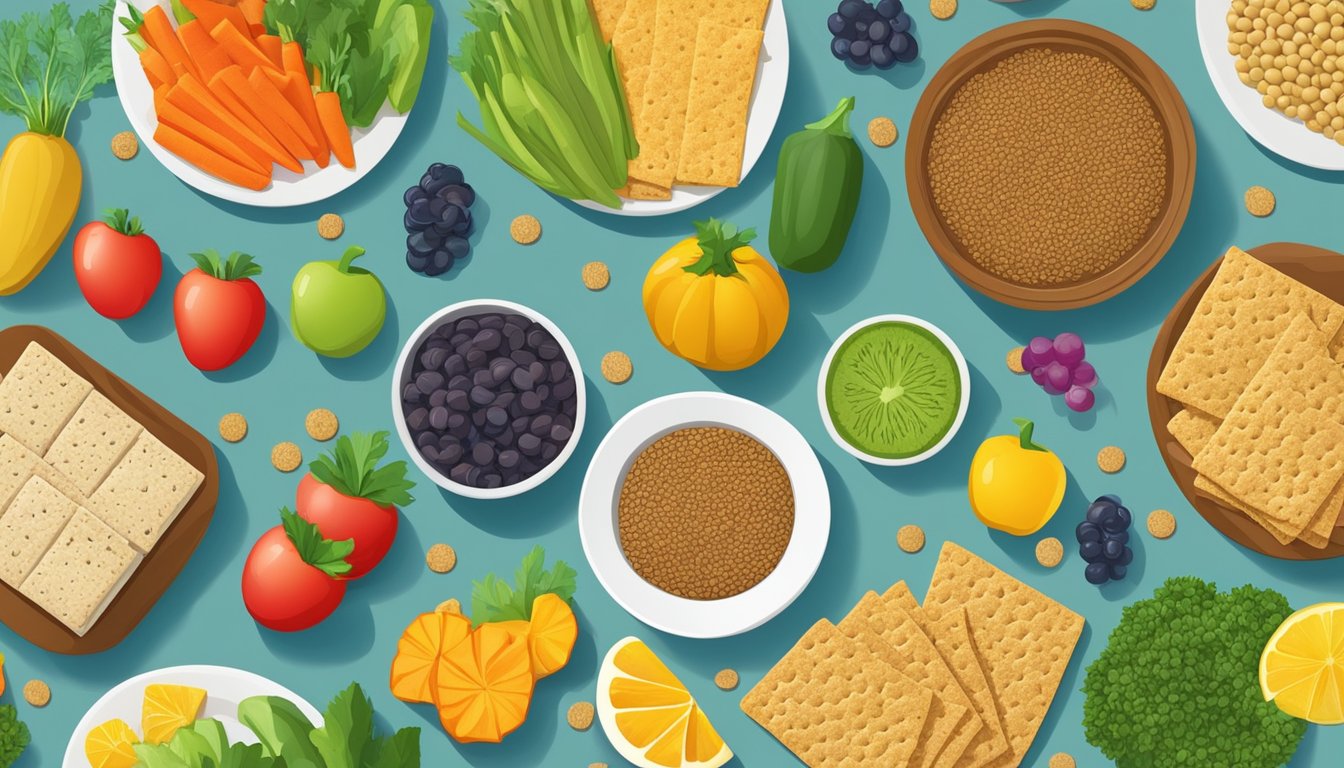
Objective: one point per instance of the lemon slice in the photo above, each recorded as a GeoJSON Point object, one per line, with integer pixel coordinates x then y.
{"type": "Point", "coordinates": [649, 716]}
{"type": "Point", "coordinates": [167, 708]}
{"type": "Point", "coordinates": [1302, 667]}
{"type": "Point", "coordinates": [111, 745]}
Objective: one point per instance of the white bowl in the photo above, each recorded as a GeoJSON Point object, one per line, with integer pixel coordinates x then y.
{"type": "Point", "coordinates": [403, 376]}
{"type": "Point", "coordinates": [962, 370]}
{"type": "Point", "coordinates": [703, 618]}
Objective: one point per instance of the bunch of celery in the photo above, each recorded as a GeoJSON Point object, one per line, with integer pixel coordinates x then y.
{"type": "Point", "coordinates": [551, 100]}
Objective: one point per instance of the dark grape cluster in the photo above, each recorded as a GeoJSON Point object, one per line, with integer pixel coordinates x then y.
{"type": "Point", "coordinates": [1059, 367]}
{"type": "Point", "coordinates": [438, 219]}
{"type": "Point", "coordinates": [1103, 540]}
{"type": "Point", "coordinates": [872, 36]}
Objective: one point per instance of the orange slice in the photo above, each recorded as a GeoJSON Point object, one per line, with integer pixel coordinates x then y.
{"type": "Point", "coordinates": [111, 745]}
{"type": "Point", "coordinates": [167, 708]}
{"type": "Point", "coordinates": [483, 685]}
{"type": "Point", "coordinates": [551, 636]}
{"type": "Point", "coordinates": [416, 663]}
{"type": "Point", "coordinates": [1302, 667]}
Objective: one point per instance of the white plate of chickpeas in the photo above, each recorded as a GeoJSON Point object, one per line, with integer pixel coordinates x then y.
{"type": "Point", "coordinates": [1278, 66]}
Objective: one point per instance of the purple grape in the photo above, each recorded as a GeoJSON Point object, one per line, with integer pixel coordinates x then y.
{"type": "Point", "coordinates": [1039, 352]}
{"type": "Point", "coordinates": [1069, 349]}
{"type": "Point", "coordinates": [1079, 399]}
{"type": "Point", "coordinates": [1056, 379]}
{"type": "Point", "coordinates": [1085, 376]}
{"type": "Point", "coordinates": [1038, 375]}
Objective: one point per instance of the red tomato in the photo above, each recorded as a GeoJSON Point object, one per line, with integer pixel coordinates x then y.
{"type": "Point", "coordinates": [117, 265]}
{"type": "Point", "coordinates": [281, 591]}
{"type": "Point", "coordinates": [218, 310]}
{"type": "Point", "coordinates": [340, 517]}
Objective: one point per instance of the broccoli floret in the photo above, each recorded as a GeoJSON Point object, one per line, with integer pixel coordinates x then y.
{"type": "Point", "coordinates": [1178, 683]}
{"type": "Point", "coordinates": [14, 735]}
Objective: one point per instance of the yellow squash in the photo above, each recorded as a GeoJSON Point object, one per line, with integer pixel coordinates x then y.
{"type": "Point", "coordinates": [40, 181]}
{"type": "Point", "coordinates": [714, 301]}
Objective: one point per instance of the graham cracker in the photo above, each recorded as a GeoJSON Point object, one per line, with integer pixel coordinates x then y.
{"type": "Point", "coordinates": [1234, 327]}
{"type": "Point", "coordinates": [92, 442]}
{"type": "Point", "coordinates": [834, 703]}
{"type": "Point", "coordinates": [633, 45]}
{"type": "Point", "coordinates": [28, 526]}
{"type": "Point", "coordinates": [1024, 638]}
{"type": "Point", "coordinates": [1192, 429]}
{"type": "Point", "coordinates": [635, 189]}
{"type": "Point", "coordinates": [37, 397]}
{"type": "Point", "coordinates": [145, 491]}
{"type": "Point", "coordinates": [608, 15]}
{"type": "Point", "coordinates": [1317, 532]}
{"type": "Point", "coordinates": [82, 572]}
{"type": "Point", "coordinates": [723, 75]}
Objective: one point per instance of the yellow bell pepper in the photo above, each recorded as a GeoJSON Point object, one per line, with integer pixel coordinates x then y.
{"type": "Point", "coordinates": [1016, 485]}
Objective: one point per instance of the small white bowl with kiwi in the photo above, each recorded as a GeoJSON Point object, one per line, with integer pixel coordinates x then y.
{"type": "Point", "coordinates": [893, 390]}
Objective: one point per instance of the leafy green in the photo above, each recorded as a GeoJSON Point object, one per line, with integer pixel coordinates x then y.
{"type": "Point", "coordinates": [282, 730]}
{"type": "Point", "coordinates": [1178, 682]}
{"type": "Point", "coordinates": [492, 599]}
{"type": "Point", "coordinates": [49, 64]}
{"type": "Point", "coordinates": [551, 101]}
{"type": "Point", "coordinates": [121, 220]}
{"type": "Point", "coordinates": [315, 549]}
{"type": "Point", "coordinates": [14, 736]}
{"type": "Point", "coordinates": [236, 267]}
{"type": "Point", "coordinates": [203, 744]}
{"type": "Point", "coordinates": [352, 469]}
{"type": "Point", "coordinates": [347, 739]}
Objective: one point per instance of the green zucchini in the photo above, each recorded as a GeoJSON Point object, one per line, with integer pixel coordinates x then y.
{"type": "Point", "coordinates": [816, 193]}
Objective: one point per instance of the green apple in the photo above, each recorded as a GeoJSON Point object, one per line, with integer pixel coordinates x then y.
{"type": "Point", "coordinates": [335, 308]}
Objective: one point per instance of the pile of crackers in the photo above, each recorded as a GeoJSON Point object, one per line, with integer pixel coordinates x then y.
{"type": "Point", "coordinates": [963, 680]}
{"type": "Point", "coordinates": [85, 490]}
{"type": "Point", "coordinates": [688, 68]}
{"type": "Point", "coordinates": [1262, 392]}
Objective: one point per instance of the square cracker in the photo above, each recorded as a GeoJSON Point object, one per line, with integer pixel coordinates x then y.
{"type": "Point", "coordinates": [834, 703]}
{"type": "Point", "coordinates": [723, 76]}
{"type": "Point", "coordinates": [18, 464]}
{"type": "Point", "coordinates": [1234, 327]}
{"type": "Point", "coordinates": [608, 15]}
{"type": "Point", "coordinates": [28, 527]}
{"type": "Point", "coordinates": [145, 491]}
{"type": "Point", "coordinates": [633, 43]}
{"type": "Point", "coordinates": [635, 189]}
{"type": "Point", "coordinates": [92, 442]}
{"type": "Point", "coordinates": [1024, 638]}
{"type": "Point", "coordinates": [1192, 429]}
{"type": "Point", "coordinates": [37, 397]}
{"type": "Point", "coordinates": [83, 571]}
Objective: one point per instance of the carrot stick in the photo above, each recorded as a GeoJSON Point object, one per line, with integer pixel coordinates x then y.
{"type": "Point", "coordinates": [300, 95]}
{"type": "Point", "coordinates": [239, 48]}
{"type": "Point", "coordinates": [223, 102]}
{"type": "Point", "coordinates": [169, 114]}
{"type": "Point", "coordinates": [202, 49]}
{"type": "Point", "coordinates": [165, 40]}
{"type": "Point", "coordinates": [210, 13]}
{"type": "Point", "coordinates": [271, 45]}
{"type": "Point", "coordinates": [333, 123]}
{"type": "Point", "coordinates": [274, 101]}
{"type": "Point", "coordinates": [252, 10]}
{"type": "Point", "coordinates": [264, 110]}
{"type": "Point", "coordinates": [207, 159]}
{"type": "Point", "coordinates": [190, 96]}
{"type": "Point", "coordinates": [157, 68]}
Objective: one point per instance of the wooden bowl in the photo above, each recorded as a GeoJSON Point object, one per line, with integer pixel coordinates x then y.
{"type": "Point", "coordinates": [983, 54]}
{"type": "Point", "coordinates": [162, 564]}
{"type": "Point", "coordinates": [1318, 268]}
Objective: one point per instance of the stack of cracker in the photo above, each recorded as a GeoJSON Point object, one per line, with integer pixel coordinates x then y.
{"type": "Point", "coordinates": [688, 68]}
{"type": "Point", "coordinates": [85, 491]}
{"type": "Point", "coordinates": [963, 681]}
{"type": "Point", "coordinates": [1263, 398]}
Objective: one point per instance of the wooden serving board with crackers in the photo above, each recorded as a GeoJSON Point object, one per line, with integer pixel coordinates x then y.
{"type": "Point", "coordinates": [1246, 398]}
{"type": "Point", "coordinates": [104, 495]}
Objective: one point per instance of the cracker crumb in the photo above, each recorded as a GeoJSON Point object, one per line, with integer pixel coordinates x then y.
{"type": "Point", "coordinates": [330, 226]}
{"type": "Point", "coordinates": [1111, 459]}
{"type": "Point", "coordinates": [882, 131]}
{"type": "Point", "coordinates": [597, 765]}
{"type": "Point", "coordinates": [1050, 552]}
{"type": "Point", "coordinates": [321, 424]}
{"type": "Point", "coordinates": [37, 693]}
{"type": "Point", "coordinates": [451, 605]}
{"type": "Point", "coordinates": [1061, 759]}
{"type": "Point", "coordinates": [1142, 5]}
{"type": "Point", "coordinates": [125, 145]}
{"type": "Point", "coordinates": [616, 367]}
{"type": "Point", "coordinates": [1161, 523]}
{"type": "Point", "coordinates": [286, 456]}
{"type": "Point", "coordinates": [233, 427]}
{"type": "Point", "coordinates": [943, 9]}
{"type": "Point", "coordinates": [726, 679]}
{"type": "Point", "coordinates": [910, 538]}
{"type": "Point", "coordinates": [596, 276]}
{"type": "Point", "coordinates": [1259, 201]}
{"type": "Point", "coordinates": [1015, 360]}
{"type": "Point", "coordinates": [441, 558]}
{"type": "Point", "coordinates": [580, 715]}
{"type": "Point", "coordinates": [525, 229]}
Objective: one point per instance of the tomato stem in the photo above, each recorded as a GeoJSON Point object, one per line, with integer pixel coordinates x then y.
{"type": "Point", "coordinates": [122, 221]}
{"type": "Point", "coordinates": [718, 240]}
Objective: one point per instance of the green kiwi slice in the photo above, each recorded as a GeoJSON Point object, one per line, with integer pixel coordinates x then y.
{"type": "Point", "coordinates": [893, 390]}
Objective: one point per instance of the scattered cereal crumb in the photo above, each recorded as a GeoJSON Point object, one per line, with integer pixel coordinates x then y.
{"type": "Point", "coordinates": [233, 427]}
{"type": "Point", "coordinates": [125, 145]}
{"type": "Point", "coordinates": [882, 131]}
{"type": "Point", "coordinates": [596, 276]}
{"type": "Point", "coordinates": [451, 605]}
{"type": "Point", "coordinates": [1060, 759]}
{"type": "Point", "coordinates": [1111, 459]}
{"type": "Point", "coordinates": [1015, 360]}
{"type": "Point", "coordinates": [597, 765]}
{"type": "Point", "coordinates": [441, 558]}
{"type": "Point", "coordinates": [910, 538]}
{"type": "Point", "coordinates": [943, 9]}
{"type": "Point", "coordinates": [1259, 201]}
{"type": "Point", "coordinates": [580, 715]}
{"type": "Point", "coordinates": [286, 456]}
{"type": "Point", "coordinates": [321, 424]}
{"type": "Point", "coordinates": [726, 679]}
{"type": "Point", "coordinates": [1142, 5]}
{"type": "Point", "coordinates": [1161, 523]}
{"type": "Point", "coordinates": [37, 693]}
{"type": "Point", "coordinates": [1049, 552]}
{"type": "Point", "coordinates": [525, 229]}
{"type": "Point", "coordinates": [616, 367]}
{"type": "Point", "coordinates": [330, 226]}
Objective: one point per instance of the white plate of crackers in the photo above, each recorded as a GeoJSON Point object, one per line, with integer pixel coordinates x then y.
{"type": "Point", "coordinates": [726, 125]}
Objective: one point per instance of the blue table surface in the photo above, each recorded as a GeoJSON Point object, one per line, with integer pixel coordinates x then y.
{"type": "Point", "coordinates": [886, 267]}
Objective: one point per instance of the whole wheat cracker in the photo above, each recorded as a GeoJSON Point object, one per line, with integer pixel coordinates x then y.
{"type": "Point", "coordinates": [723, 74]}
{"type": "Point", "coordinates": [1192, 429]}
{"type": "Point", "coordinates": [37, 396]}
{"type": "Point", "coordinates": [82, 573]}
{"type": "Point", "coordinates": [17, 464]}
{"type": "Point", "coordinates": [92, 442]}
{"type": "Point", "coordinates": [145, 491]}
{"type": "Point", "coordinates": [633, 44]}
{"type": "Point", "coordinates": [29, 525]}
{"type": "Point", "coordinates": [608, 14]}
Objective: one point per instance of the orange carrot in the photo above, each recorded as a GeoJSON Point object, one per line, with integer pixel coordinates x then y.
{"type": "Point", "coordinates": [210, 13]}
{"type": "Point", "coordinates": [240, 48]}
{"type": "Point", "coordinates": [270, 45]}
{"type": "Point", "coordinates": [252, 10]}
{"type": "Point", "coordinates": [202, 49]}
{"type": "Point", "coordinates": [224, 103]}
{"type": "Point", "coordinates": [157, 68]}
{"type": "Point", "coordinates": [333, 123]}
{"type": "Point", "coordinates": [300, 95]}
{"type": "Point", "coordinates": [165, 40]}
{"type": "Point", "coordinates": [169, 114]}
{"type": "Point", "coordinates": [190, 96]}
{"type": "Point", "coordinates": [230, 82]}
{"type": "Point", "coordinates": [274, 102]}
{"type": "Point", "coordinates": [207, 159]}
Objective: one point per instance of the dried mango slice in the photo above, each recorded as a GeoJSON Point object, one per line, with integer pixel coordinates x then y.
{"type": "Point", "coordinates": [167, 708]}
{"type": "Point", "coordinates": [484, 685]}
{"type": "Point", "coordinates": [417, 660]}
{"type": "Point", "coordinates": [111, 745]}
{"type": "Point", "coordinates": [551, 635]}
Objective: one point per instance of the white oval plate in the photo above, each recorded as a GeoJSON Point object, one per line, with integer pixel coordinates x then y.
{"type": "Point", "coordinates": [703, 618]}
{"type": "Point", "coordinates": [287, 188]}
{"type": "Point", "coordinates": [225, 688]}
{"type": "Point", "coordinates": [1271, 129]}
{"type": "Point", "coordinates": [767, 98]}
